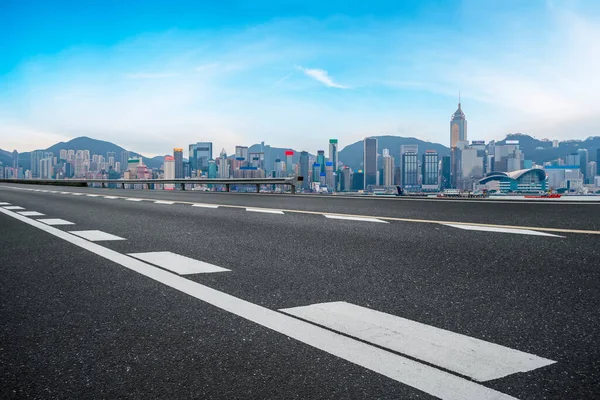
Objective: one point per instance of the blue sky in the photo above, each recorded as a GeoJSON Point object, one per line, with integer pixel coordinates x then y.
{"type": "Point", "coordinates": [153, 75]}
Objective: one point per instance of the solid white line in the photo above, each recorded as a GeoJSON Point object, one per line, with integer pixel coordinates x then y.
{"type": "Point", "coordinates": [110, 197]}
{"type": "Point", "coordinates": [265, 210]}
{"type": "Point", "coordinates": [422, 377]}
{"type": "Point", "coordinates": [205, 205]}
{"type": "Point", "coordinates": [133, 199]}
{"type": "Point", "coordinates": [475, 358]}
{"type": "Point", "coordinates": [14, 207]}
{"type": "Point", "coordinates": [164, 202]}
{"type": "Point", "coordinates": [179, 264]}
{"type": "Point", "coordinates": [55, 221]}
{"type": "Point", "coordinates": [30, 213]}
{"type": "Point", "coordinates": [501, 230]}
{"type": "Point", "coordinates": [348, 218]}
{"type": "Point", "coordinates": [96, 236]}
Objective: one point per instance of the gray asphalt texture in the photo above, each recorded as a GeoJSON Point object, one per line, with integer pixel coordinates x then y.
{"type": "Point", "coordinates": [75, 325]}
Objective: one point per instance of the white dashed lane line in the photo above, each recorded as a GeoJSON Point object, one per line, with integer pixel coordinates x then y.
{"type": "Point", "coordinates": [30, 213]}
{"type": "Point", "coordinates": [205, 205]}
{"type": "Point", "coordinates": [13, 208]}
{"type": "Point", "coordinates": [55, 221]}
{"type": "Point", "coordinates": [4, 204]}
{"type": "Point", "coordinates": [134, 199]}
{"type": "Point", "coordinates": [164, 202]}
{"type": "Point", "coordinates": [351, 218]}
{"type": "Point", "coordinates": [501, 230]}
{"type": "Point", "coordinates": [110, 197]}
{"type": "Point", "coordinates": [181, 265]}
{"type": "Point", "coordinates": [96, 236]}
{"type": "Point", "coordinates": [264, 210]}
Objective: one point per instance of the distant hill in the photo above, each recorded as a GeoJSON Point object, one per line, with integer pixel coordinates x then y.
{"type": "Point", "coordinates": [81, 143]}
{"type": "Point", "coordinates": [352, 155]}
{"type": "Point", "coordinates": [541, 151]}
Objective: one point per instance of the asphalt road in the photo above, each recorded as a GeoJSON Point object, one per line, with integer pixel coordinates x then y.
{"type": "Point", "coordinates": [82, 319]}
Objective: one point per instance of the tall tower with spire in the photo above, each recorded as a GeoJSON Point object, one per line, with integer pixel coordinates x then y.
{"type": "Point", "coordinates": [458, 126]}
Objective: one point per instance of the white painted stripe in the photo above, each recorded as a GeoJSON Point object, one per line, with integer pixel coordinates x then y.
{"type": "Point", "coordinates": [65, 192]}
{"type": "Point", "coordinates": [179, 264]}
{"type": "Point", "coordinates": [428, 379]}
{"type": "Point", "coordinates": [163, 202]}
{"type": "Point", "coordinates": [501, 230]}
{"type": "Point", "coordinates": [133, 199]}
{"type": "Point", "coordinates": [14, 207]}
{"type": "Point", "coordinates": [55, 221]}
{"type": "Point", "coordinates": [111, 197]}
{"type": "Point", "coordinates": [77, 194]}
{"type": "Point", "coordinates": [96, 236]}
{"type": "Point", "coordinates": [475, 358]}
{"type": "Point", "coordinates": [265, 210]}
{"type": "Point", "coordinates": [31, 213]}
{"type": "Point", "coordinates": [4, 204]}
{"type": "Point", "coordinates": [205, 205]}
{"type": "Point", "coordinates": [53, 191]}
{"type": "Point", "coordinates": [92, 195]}
{"type": "Point", "coordinates": [349, 218]}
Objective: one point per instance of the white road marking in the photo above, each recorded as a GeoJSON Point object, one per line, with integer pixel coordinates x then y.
{"type": "Point", "coordinates": [265, 210]}
{"type": "Point", "coordinates": [133, 199]}
{"type": "Point", "coordinates": [205, 205]}
{"type": "Point", "coordinates": [76, 194]}
{"type": "Point", "coordinates": [111, 197]}
{"type": "Point", "coordinates": [163, 202]}
{"type": "Point", "coordinates": [179, 264]}
{"type": "Point", "coordinates": [65, 192]}
{"type": "Point", "coordinates": [96, 236]}
{"type": "Point", "coordinates": [4, 203]}
{"type": "Point", "coordinates": [55, 221]}
{"type": "Point", "coordinates": [92, 195]}
{"type": "Point", "coordinates": [501, 230]}
{"type": "Point", "coordinates": [14, 207]}
{"type": "Point", "coordinates": [350, 218]}
{"type": "Point", "coordinates": [433, 381]}
{"type": "Point", "coordinates": [475, 358]}
{"type": "Point", "coordinates": [31, 213]}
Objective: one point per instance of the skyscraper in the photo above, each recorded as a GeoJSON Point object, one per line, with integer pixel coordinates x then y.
{"type": "Point", "coordinates": [410, 169]}
{"type": "Point", "coordinates": [321, 159]}
{"type": "Point", "coordinates": [333, 153]}
{"type": "Point", "coordinates": [203, 152]}
{"type": "Point", "coordinates": [388, 169]}
{"type": "Point", "coordinates": [211, 169]}
{"type": "Point", "coordinates": [458, 127]}
{"type": "Point", "coordinates": [304, 169]}
{"type": "Point", "coordinates": [169, 171]}
{"type": "Point", "coordinates": [223, 165]}
{"type": "Point", "coordinates": [583, 160]}
{"type": "Point", "coordinates": [430, 168]}
{"type": "Point", "coordinates": [289, 167]}
{"type": "Point", "coordinates": [370, 162]}
{"type": "Point", "coordinates": [15, 156]}
{"type": "Point", "coordinates": [178, 159]}
{"type": "Point", "coordinates": [598, 162]}
{"type": "Point", "coordinates": [124, 159]}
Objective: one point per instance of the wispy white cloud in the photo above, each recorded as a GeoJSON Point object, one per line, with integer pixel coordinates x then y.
{"type": "Point", "coordinates": [322, 76]}
{"type": "Point", "coordinates": [151, 75]}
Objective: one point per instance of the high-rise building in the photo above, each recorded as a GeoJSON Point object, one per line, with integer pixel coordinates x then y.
{"type": "Point", "coordinates": [321, 159]}
{"type": "Point", "coordinates": [598, 162]}
{"type": "Point", "coordinates": [591, 171]}
{"type": "Point", "coordinates": [124, 159]}
{"type": "Point", "coordinates": [430, 167]}
{"type": "Point", "coordinates": [304, 169]}
{"type": "Point", "coordinates": [211, 169]}
{"type": "Point", "coordinates": [446, 181]}
{"type": "Point", "coordinates": [289, 167]}
{"type": "Point", "coordinates": [333, 153]}
{"type": "Point", "coordinates": [178, 159]}
{"type": "Point", "coordinates": [572, 159]}
{"type": "Point", "coordinates": [223, 165]}
{"type": "Point", "coordinates": [316, 172]}
{"type": "Point", "coordinates": [241, 152]}
{"type": "Point", "coordinates": [370, 162]}
{"type": "Point", "coordinates": [388, 169]}
{"type": "Point", "coordinates": [410, 169]}
{"type": "Point", "coordinates": [583, 160]}
{"type": "Point", "coordinates": [111, 154]}
{"type": "Point", "coordinates": [346, 179]}
{"type": "Point", "coordinates": [458, 127]}
{"type": "Point", "coordinates": [329, 176]}
{"type": "Point", "coordinates": [202, 153]}
{"type": "Point", "coordinates": [15, 156]}
{"type": "Point", "coordinates": [169, 171]}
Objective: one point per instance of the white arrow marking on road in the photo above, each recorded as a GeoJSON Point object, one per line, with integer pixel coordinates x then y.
{"type": "Point", "coordinates": [428, 379]}
{"type": "Point", "coordinates": [501, 230]}
{"type": "Point", "coordinates": [366, 219]}
{"type": "Point", "coordinates": [96, 236]}
{"type": "Point", "coordinates": [475, 358]}
{"type": "Point", "coordinates": [179, 264]}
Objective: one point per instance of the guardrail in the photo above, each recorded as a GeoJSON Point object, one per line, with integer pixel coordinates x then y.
{"type": "Point", "coordinates": [292, 182]}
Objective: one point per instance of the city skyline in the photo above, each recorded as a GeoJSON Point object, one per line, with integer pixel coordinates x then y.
{"type": "Point", "coordinates": [291, 75]}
